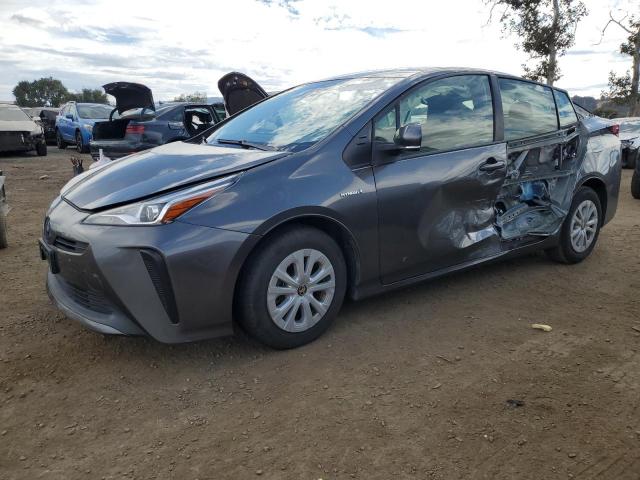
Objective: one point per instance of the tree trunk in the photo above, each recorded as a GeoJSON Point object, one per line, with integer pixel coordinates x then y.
{"type": "Point", "coordinates": [635, 95]}
{"type": "Point", "coordinates": [553, 50]}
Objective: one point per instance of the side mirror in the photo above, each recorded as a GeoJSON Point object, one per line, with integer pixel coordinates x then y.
{"type": "Point", "coordinates": [69, 116]}
{"type": "Point", "coordinates": [409, 137]}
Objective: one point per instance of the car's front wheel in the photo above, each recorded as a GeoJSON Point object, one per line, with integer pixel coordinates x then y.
{"type": "Point", "coordinates": [41, 149]}
{"type": "Point", "coordinates": [80, 146]}
{"type": "Point", "coordinates": [292, 288]}
{"type": "Point", "coordinates": [60, 143]}
{"type": "Point", "coordinates": [581, 227]}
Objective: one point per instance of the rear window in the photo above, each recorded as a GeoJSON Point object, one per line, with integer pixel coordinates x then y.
{"type": "Point", "coordinates": [566, 113]}
{"type": "Point", "coordinates": [528, 109]}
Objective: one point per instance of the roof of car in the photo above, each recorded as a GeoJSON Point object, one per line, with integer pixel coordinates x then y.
{"type": "Point", "coordinates": [412, 72]}
{"type": "Point", "coordinates": [422, 72]}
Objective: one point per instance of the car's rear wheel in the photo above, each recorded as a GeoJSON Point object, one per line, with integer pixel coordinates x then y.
{"type": "Point", "coordinates": [3, 230]}
{"type": "Point", "coordinates": [635, 184]}
{"type": "Point", "coordinates": [80, 146]}
{"type": "Point", "coordinates": [60, 143]}
{"type": "Point", "coordinates": [581, 228]}
{"type": "Point", "coordinates": [41, 149]}
{"type": "Point", "coordinates": [292, 288]}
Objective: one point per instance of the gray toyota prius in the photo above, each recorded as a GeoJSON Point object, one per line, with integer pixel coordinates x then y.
{"type": "Point", "coordinates": [344, 187]}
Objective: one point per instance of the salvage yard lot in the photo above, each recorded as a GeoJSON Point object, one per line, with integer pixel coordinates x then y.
{"type": "Point", "coordinates": [412, 384]}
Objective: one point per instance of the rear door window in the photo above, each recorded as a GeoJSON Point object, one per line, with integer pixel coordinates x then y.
{"type": "Point", "coordinates": [566, 113]}
{"type": "Point", "coordinates": [528, 109]}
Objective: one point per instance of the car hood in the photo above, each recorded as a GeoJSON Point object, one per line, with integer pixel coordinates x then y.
{"type": "Point", "coordinates": [160, 170]}
{"type": "Point", "coordinates": [130, 95]}
{"type": "Point", "coordinates": [239, 91]}
{"type": "Point", "coordinates": [18, 126]}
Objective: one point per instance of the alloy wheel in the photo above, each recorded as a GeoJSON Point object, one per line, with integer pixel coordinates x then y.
{"type": "Point", "coordinates": [584, 226]}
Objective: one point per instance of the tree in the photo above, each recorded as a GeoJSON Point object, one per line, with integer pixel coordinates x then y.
{"type": "Point", "coordinates": [195, 97]}
{"type": "Point", "coordinates": [89, 95]}
{"type": "Point", "coordinates": [546, 29]}
{"type": "Point", "coordinates": [47, 92]}
{"type": "Point", "coordinates": [624, 88]}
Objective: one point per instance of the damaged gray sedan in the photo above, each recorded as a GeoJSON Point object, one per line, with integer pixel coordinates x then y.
{"type": "Point", "coordinates": [345, 187]}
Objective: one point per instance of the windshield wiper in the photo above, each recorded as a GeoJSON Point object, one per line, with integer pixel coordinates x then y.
{"type": "Point", "coordinates": [244, 143]}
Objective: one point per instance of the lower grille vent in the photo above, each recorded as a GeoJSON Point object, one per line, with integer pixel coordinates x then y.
{"type": "Point", "coordinates": [159, 275]}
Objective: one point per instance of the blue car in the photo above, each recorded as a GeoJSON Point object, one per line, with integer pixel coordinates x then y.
{"type": "Point", "coordinates": [74, 123]}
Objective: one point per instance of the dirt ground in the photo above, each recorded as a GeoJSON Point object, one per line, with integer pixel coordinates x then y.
{"type": "Point", "coordinates": [413, 384]}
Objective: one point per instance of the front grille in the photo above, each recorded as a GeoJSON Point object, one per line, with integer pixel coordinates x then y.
{"type": "Point", "coordinates": [88, 297]}
{"type": "Point", "coordinates": [69, 245]}
{"type": "Point", "coordinates": [13, 139]}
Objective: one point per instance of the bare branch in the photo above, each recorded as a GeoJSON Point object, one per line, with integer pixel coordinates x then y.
{"type": "Point", "coordinates": [617, 22]}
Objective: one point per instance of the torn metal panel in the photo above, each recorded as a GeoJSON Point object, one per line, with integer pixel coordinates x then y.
{"type": "Point", "coordinates": [537, 193]}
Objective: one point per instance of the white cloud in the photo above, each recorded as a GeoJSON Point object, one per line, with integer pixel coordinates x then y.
{"type": "Point", "coordinates": [177, 49]}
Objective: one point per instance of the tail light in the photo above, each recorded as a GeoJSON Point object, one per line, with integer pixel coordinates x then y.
{"type": "Point", "coordinates": [615, 129]}
{"type": "Point", "coordinates": [135, 129]}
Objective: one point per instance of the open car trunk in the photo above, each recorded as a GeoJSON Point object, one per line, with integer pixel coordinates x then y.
{"type": "Point", "coordinates": [239, 91]}
{"type": "Point", "coordinates": [111, 130]}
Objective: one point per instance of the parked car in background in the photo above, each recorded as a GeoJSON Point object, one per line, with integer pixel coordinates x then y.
{"type": "Point", "coordinates": [141, 125]}
{"type": "Point", "coordinates": [630, 139]}
{"type": "Point", "coordinates": [19, 132]}
{"type": "Point", "coordinates": [349, 186]}
{"type": "Point", "coordinates": [46, 117]}
{"type": "Point", "coordinates": [4, 209]}
{"type": "Point", "coordinates": [74, 123]}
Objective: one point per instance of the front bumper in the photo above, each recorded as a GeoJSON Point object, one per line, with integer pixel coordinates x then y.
{"type": "Point", "coordinates": [19, 141]}
{"type": "Point", "coordinates": [173, 282]}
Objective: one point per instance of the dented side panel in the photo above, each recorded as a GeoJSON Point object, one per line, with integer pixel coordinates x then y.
{"type": "Point", "coordinates": [437, 210]}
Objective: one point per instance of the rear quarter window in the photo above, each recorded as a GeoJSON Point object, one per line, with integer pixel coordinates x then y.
{"type": "Point", "coordinates": [566, 113]}
{"type": "Point", "coordinates": [528, 109]}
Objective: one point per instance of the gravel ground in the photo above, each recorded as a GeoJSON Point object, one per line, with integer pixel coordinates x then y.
{"type": "Point", "coordinates": [421, 383]}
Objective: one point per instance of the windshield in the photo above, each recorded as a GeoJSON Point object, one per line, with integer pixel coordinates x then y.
{"type": "Point", "coordinates": [94, 111]}
{"type": "Point", "coordinates": [630, 127]}
{"type": "Point", "coordinates": [302, 116]}
{"type": "Point", "coordinates": [12, 114]}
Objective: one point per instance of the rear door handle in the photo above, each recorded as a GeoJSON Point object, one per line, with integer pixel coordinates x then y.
{"type": "Point", "coordinates": [491, 165]}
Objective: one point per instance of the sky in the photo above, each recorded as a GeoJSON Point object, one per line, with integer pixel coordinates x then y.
{"type": "Point", "coordinates": [176, 47]}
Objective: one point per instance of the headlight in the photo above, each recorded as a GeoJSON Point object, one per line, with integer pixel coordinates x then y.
{"type": "Point", "coordinates": [161, 210]}
{"type": "Point", "coordinates": [88, 127]}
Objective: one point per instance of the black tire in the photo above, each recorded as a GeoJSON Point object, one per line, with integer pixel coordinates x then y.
{"type": "Point", "coordinates": [564, 252]}
{"type": "Point", "coordinates": [41, 149]}
{"type": "Point", "coordinates": [80, 146]}
{"type": "Point", "coordinates": [60, 143]}
{"type": "Point", "coordinates": [635, 184]}
{"type": "Point", "coordinates": [251, 298]}
{"type": "Point", "coordinates": [3, 231]}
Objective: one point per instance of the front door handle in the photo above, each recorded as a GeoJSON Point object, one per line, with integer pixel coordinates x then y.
{"type": "Point", "coordinates": [491, 165]}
